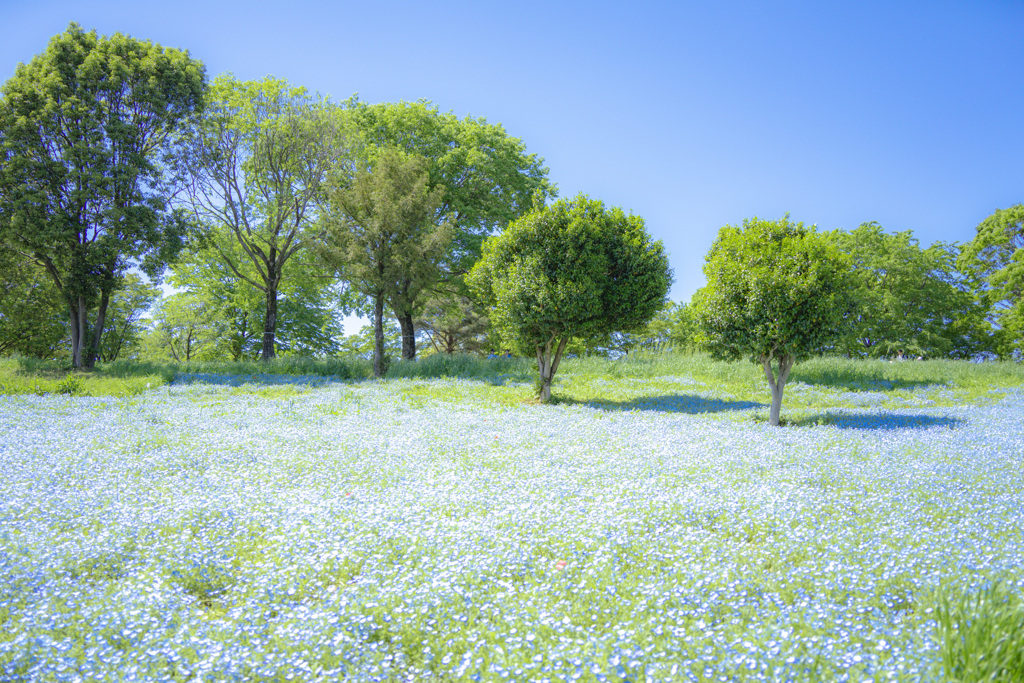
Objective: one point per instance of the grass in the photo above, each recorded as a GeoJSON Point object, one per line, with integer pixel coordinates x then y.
{"type": "Point", "coordinates": [946, 382]}
{"type": "Point", "coordinates": [981, 633]}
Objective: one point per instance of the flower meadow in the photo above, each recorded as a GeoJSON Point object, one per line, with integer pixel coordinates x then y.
{"type": "Point", "coordinates": [445, 530]}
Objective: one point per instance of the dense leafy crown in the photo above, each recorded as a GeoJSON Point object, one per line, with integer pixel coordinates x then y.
{"type": "Point", "coordinates": [488, 177]}
{"type": "Point", "coordinates": [83, 129]}
{"type": "Point", "coordinates": [775, 289]}
{"type": "Point", "coordinates": [572, 269]}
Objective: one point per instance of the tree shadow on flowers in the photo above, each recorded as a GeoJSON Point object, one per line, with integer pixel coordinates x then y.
{"type": "Point", "coordinates": [671, 403]}
{"type": "Point", "coordinates": [876, 421]}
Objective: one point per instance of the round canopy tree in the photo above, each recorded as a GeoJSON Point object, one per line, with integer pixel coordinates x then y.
{"type": "Point", "coordinates": [777, 292]}
{"type": "Point", "coordinates": [573, 269]}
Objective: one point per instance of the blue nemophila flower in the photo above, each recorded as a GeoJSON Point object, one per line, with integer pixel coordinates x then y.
{"type": "Point", "coordinates": [212, 532]}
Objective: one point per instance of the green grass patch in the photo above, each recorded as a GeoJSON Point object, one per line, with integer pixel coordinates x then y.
{"type": "Point", "coordinates": [31, 376]}
{"type": "Point", "coordinates": [981, 633]}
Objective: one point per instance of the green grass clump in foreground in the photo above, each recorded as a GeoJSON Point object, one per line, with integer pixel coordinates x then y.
{"type": "Point", "coordinates": [982, 634]}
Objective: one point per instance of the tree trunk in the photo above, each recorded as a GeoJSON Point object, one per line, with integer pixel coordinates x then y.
{"type": "Point", "coordinates": [548, 366]}
{"type": "Point", "coordinates": [408, 336]}
{"type": "Point", "coordinates": [269, 325]}
{"type": "Point", "coordinates": [101, 318]}
{"type": "Point", "coordinates": [777, 382]}
{"type": "Point", "coordinates": [76, 336]}
{"type": "Point", "coordinates": [378, 335]}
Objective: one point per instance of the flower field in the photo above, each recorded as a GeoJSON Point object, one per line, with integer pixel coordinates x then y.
{"type": "Point", "coordinates": [442, 529]}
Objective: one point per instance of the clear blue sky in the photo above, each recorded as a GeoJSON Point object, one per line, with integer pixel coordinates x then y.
{"type": "Point", "coordinates": [692, 115]}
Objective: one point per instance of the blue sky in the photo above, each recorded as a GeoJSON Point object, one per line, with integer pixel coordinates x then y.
{"type": "Point", "coordinates": [692, 115]}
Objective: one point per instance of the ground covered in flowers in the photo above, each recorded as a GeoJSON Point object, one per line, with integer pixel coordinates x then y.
{"type": "Point", "coordinates": [446, 530]}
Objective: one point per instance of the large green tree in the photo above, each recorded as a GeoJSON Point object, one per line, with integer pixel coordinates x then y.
{"type": "Point", "coordinates": [259, 164]}
{"type": "Point", "coordinates": [84, 128]}
{"type": "Point", "coordinates": [185, 325]}
{"type": "Point", "coordinates": [995, 257]}
{"type": "Point", "coordinates": [777, 292]}
{"type": "Point", "coordinates": [908, 298]}
{"type": "Point", "coordinates": [487, 176]}
{"type": "Point", "coordinates": [572, 269]}
{"type": "Point", "coordinates": [382, 237]}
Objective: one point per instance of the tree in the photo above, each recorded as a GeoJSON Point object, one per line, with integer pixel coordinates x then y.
{"type": "Point", "coordinates": [908, 298]}
{"type": "Point", "coordinates": [671, 327]}
{"type": "Point", "coordinates": [258, 166]}
{"type": "Point", "coordinates": [995, 258]}
{"type": "Point", "coordinates": [364, 343]}
{"type": "Point", "coordinates": [573, 269]}
{"type": "Point", "coordinates": [308, 304]}
{"type": "Point", "coordinates": [84, 129]}
{"type": "Point", "coordinates": [185, 325]}
{"type": "Point", "coordinates": [381, 235]}
{"type": "Point", "coordinates": [487, 177]}
{"type": "Point", "coordinates": [451, 322]}
{"type": "Point", "coordinates": [123, 330]}
{"type": "Point", "coordinates": [777, 292]}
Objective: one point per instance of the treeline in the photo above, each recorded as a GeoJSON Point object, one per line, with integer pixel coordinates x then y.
{"type": "Point", "coordinates": [275, 212]}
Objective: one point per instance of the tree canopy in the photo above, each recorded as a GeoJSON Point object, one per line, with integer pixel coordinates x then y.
{"type": "Point", "coordinates": [84, 129]}
{"type": "Point", "coordinates": [573, 269]}
{"type": "Point", "coordinates": [777, 292]}
{"type": "Point", "coordinates": [908, 298]}
{"type": "Point", "coordinates": [259, 163]}
{"type": "Point", "coordinates": [996, 258]}
{"type": "Point", "coordinates": [488, 179]}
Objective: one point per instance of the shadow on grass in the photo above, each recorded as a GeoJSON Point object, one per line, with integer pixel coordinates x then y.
{"type": "Point", "coordinates": [873, 421]}
{"type": "Point", "coordinates": [673, 403]}
{"type": "Point", "coordinates": [220, 379]}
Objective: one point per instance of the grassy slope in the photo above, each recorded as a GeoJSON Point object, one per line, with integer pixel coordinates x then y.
{"type": "Point", "coordinates": [818, 384]}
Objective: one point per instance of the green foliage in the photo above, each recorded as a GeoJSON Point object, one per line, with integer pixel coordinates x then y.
{"type": "Point", "coordinates": [71, 385]}
{"type": "Point", "coordinates": [307, 313]}
{"type": "Point", "coordinates": [672, 327]}
{"type": "Point", "coordinates": [33, 316]}
{"type": "Point", "coordinates": [981, 634]}
{"type": "Point", "coordinates": [362, 343]}
{"type": "Point", "coordinates": [35, 376]}
{"type": "Point", "coordinates": [184, 327]}
{"type": "Point", "coordinates": [775, 288]}
{"type": "Point", "coordinates": [381, 235]}
{"type": "Point", "coordinates": [574, 269]}
{"type": "Point", "coordinates": [467, 366]}
{"type": "Point", "coordinates": [84, 128]}
{"type": "Point", "coordinates": [259, 162]}
{"type": "Point", "coordinates": [777, 292]}
{"type": "Point", "coordinates": [908, 298]}
{"type": "Point", "coordinates": [453, 323]}
{"type": "Point", "coordinates": [487, 177]}
{"type": "Point", "coordinates": [122, 333]}
{"type": "Point", "coordinates": [995, 257]}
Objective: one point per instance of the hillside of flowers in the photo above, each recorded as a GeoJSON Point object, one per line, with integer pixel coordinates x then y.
{"type": "Point", "coordinates": [446, 530]}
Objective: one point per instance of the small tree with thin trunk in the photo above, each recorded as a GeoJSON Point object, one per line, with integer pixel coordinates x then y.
{"type": "Point", "coordinates": [777, 292]}
{"type": "Point", "coordinates": [574, 269]}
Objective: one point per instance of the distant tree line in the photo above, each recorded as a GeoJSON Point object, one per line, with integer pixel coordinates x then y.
{"type": "Point", "coordinates": [273, 212]}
